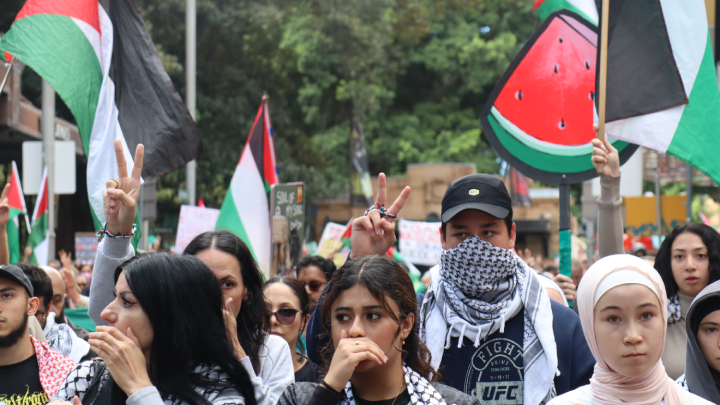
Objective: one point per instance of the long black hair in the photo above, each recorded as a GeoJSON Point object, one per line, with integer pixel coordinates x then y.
{"type": "Point", "coordinates": [663, 259]}
{"type": "Point", "coordinates": [183, 301]}
{"type": "Point", "coordinates": [303, 298]}
{"type": "Point", "coordinates": [254, 316]}
{"type": "Point", "coordinates": [386, 281]}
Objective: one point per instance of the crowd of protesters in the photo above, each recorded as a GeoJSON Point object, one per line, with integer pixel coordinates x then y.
{"type": "Point", "coordinates": [493, 326]}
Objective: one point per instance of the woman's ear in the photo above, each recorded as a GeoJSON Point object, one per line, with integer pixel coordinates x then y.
{"type": "Point", "coordinates": [406, 325]}
{"type": "Point", "coordinates": [305, 321]}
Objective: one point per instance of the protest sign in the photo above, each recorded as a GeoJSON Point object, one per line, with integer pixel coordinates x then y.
{"type": "Point", "coordinates": [331, 240]}
{"type": "Point", "coordinates": [193, 222]}
{"type": "Point", "coordinates": [420, 242]}
{"type": "Point", "coordinates": [85, 247]}
{"type": "Point", "coordinates": [287, 207]}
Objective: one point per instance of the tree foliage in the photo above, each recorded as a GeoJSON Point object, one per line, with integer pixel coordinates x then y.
{"type": "Point", "coordinates": [417, 71]}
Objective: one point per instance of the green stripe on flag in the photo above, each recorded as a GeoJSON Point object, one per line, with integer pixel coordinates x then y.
{"type": "Point", "coordinates": [229, 220]}
{"type": "Point", "coordinates": [695, 139]}
{"type": "Point", "coordinates": [13, 238]}
{"type": "Point", "coordinates": [550, 6]}
{"type": "Point", "coordinates": [56, 48]}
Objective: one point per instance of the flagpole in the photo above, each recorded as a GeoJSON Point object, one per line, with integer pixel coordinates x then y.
{"type": "Point", "coordinates": [602, 90]}
{"type": "Point", "coordinates": [48, 132]}
{"type": "Point", "coordinates": [27, 223]}
{"type": "Point", "coordinates": [7, 74]}
{"type": "Point", "coordinates": [190, 79]}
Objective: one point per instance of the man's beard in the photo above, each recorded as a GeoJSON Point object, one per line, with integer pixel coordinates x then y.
{"type": "Point", "coordinates": [11, 338]}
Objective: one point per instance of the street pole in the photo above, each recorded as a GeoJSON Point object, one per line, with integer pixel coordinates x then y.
{"type": "Point", "coordinates": [658, 204]}
{"type": "Point", "coordinates": [190, 76]}
{"type": "Point", "coordinates": [688, 203]}
{"type": "Point", "coordinates": [565, 233]}
{"type": "Point", "coordinates": [48, 132]}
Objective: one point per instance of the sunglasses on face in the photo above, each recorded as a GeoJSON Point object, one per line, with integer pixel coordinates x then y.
{"type": "Point", "coordinates": [314, 286]}
{"type": "Point", "coordinates": [285, 316]}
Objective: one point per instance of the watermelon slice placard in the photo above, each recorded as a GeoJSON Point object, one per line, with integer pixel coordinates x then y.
{"type": "Point", "coordinates": [539, 117]}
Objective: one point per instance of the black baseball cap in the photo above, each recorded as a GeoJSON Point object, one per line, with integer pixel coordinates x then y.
{"type": "Point", "coordinates": [478, 191]}
{"type": "Point", "coordinates": [15, 273]}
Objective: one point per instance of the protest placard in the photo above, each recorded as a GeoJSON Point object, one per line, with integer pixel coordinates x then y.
{"type": "Point", "coordinates": [331, 240]}
{"type": "Point", "coordinates": [194, 221]}
{"type": "Point", "coordinates": [85, 247]}
{"type": "Point", "coordinates": [420, 242]}
{"type": "Point", "coordinates": [287, 208]}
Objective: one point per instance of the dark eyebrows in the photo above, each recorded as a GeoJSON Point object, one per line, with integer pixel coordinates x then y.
{"type": "Point", "coordinates": [616, 308]}
{"type": "Point", "coordinates": [709, 323]}
{"type": "Point", "coordinates": [367, 307]}
{"type": "Point", "coordinates": [7, 289]}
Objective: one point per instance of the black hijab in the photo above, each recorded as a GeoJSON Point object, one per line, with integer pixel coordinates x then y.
{"type": "Point", "coordinates": [701, 379]}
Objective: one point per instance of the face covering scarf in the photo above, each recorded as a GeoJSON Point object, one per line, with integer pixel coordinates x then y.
{"type": "Point", "coordinates": [607, 386]}
{"type": "Point", "coordinates": [420, 390]}
{"type": "Point", "coordinates": [480, 288]}
{"type": "Point", "coordinates": [701, 379]}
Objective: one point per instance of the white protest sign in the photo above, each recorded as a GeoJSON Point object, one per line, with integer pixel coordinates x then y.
{"type": "Point", "coordinates": [420, 242]}
{"type": "Point", "coordinates": [193, 222]}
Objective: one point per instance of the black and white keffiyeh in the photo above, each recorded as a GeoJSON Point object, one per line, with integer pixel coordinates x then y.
{"type": "Point", "coordinates": [674, 309]}
{"type": "Point", "coordinates": [480, 288]}
{"type": "Point", "coordinates": [63, 339]}
{"type": "Point", "coordinates": [419, 388]}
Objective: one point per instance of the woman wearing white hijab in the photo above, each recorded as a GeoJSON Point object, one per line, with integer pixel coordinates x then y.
{"type": "Point", "coordinates": [623, 310]}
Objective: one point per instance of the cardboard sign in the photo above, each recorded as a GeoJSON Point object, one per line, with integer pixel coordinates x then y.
{"type": "Point", "coordinates": [287, 208]}
{"type": "Point", "coordinates": [193, 222]}
{"type": "Point", "coordinates": [85, 247]}
{"type": "Point", "coordinates": [420, 242]}
{"type": "Point", "coordinates": [642, 214]}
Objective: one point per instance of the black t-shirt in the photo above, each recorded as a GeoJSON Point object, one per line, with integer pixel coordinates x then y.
{"type": "Point", "coordinates": [309, 372]}
{"type": "Point", "coordinates": [20, 383]}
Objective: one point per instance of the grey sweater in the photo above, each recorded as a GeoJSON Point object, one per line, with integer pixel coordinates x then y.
{"type": "Point", "coordinates": [610, 222]}
{"type": "Point", "coordinates": [276, 366]}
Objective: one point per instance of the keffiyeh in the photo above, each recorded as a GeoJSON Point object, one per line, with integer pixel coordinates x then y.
{"type": "Point", "coordinates": [63, 339]}
{"type": "Point", "coordinates": [419, 388]}
{"type": "Point", "coordinates": [480, 288]}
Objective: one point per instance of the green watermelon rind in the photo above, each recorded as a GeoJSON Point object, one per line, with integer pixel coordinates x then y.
{"type": "Point", "coordinates": [551, 6]}
{"type": "Point", "coordinates": [540, 145]}
{"type": "Point", "coordinates": [544, 161]}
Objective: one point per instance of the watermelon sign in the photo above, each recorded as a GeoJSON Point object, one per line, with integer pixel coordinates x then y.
{"type": "Point", "coordinates": [539, 117]}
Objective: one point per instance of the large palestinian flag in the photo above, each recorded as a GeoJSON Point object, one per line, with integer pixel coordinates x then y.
{"type": "Point", "coordinates": [539, 117]}
{"type": "Point", "coordinates": [245, 210]}
{"type": "Point", "coordinates": [99, 58]}
{"type": "Point", "coordinates": [16, 200]}
{"type": "Point", "coordinates": [38, 238]}
{"type": "Point", "coordinates": [662, 87]}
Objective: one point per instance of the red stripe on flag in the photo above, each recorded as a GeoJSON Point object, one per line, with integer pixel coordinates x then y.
{"type": "Point", "coordinates": [269, 163]}
{"type": "Point", "coordinates": [42, 207]}
{"type": "Point", "coordinates": [16, 199]}
{"type": "Point", "coordinates": [537, 4]}
{"type": "Point", "coordinates": [83, 10]}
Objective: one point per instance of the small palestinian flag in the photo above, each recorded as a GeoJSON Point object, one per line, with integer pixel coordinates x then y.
{"type": "Point", "coordinates": [662, 86]}
{"type": "Point", "coordinates": [100, 60]}
{"type": "Point", "coordinates": [16, 200]}
{"type": "Point", "coordinates": [585, 8]}
{"type": "Point", "coordinates": [38, 238]}
{"type": "Point", "coordinates": [245, 210]}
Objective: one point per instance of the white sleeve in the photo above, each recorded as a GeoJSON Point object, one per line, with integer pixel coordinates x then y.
{"type": "Point", "coordinates": [276, 370]}
{"type": "Point", "coordinates": [145, 396]}
{"type": "Point", "coordinates": [111, 253]}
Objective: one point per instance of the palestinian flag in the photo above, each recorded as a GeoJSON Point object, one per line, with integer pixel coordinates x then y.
{"type": "Point", "coordinates": [245, 210]}
{"type": "Point", "coordinates": [38, 238]}
{"type": "Point", "coordinates": [662, 87]}
{"type": "Point", "coordinates": [585, 8]}
{"type": "Point", "coordinates": [99, 58]}
{"type": "Point", "coordinates": [16, 200]}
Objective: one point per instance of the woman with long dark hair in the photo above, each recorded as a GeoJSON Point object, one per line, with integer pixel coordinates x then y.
{"type": "Point", "coordinates": [375, 353]}
{"type": "Point", "coordinates": [290, 305]}
{"type": "Point", "coordinates": [265, 357]}
{"type": "Point", "coordinates": [165, 342]}
{"type": "Point", "coordinates": [688, 261]}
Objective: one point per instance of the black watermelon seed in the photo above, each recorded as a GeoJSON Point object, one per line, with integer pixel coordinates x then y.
{"type": "Point", "coordinates": [592, 95]}
{"type": "Point", "coordinates": [556, 68]}
{"type": "Point", "coordinates": [587, 65]}
{"type": "Point", "coordinates": [562, 124]}
{"type": "Point", "coordinates": [560, 39]}
{"type": "Point", "coordinates": [518, 95]}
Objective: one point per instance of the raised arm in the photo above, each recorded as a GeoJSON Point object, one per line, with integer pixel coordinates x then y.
{"type": "Point", "coordinates": [119, 202]}
{"type": "Point", "coordinates": [610, 223]}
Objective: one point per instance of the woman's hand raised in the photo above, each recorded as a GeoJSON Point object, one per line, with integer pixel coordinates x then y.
{"type": "Point", "coordinates": [121, 196]}
{"type": "Point", "coordinates": [348, 354]}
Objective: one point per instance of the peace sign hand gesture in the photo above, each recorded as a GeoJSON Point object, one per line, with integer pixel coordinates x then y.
{"type": "Point", "coordinates": [121, 196]}
{"type": "Point", "coordinates": [374, 234]}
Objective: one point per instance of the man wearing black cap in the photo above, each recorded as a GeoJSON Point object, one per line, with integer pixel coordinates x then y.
{"type": "Point", "coordinates": [30, 371]}
{"type": "Point", "coordinates": [490, 327]}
